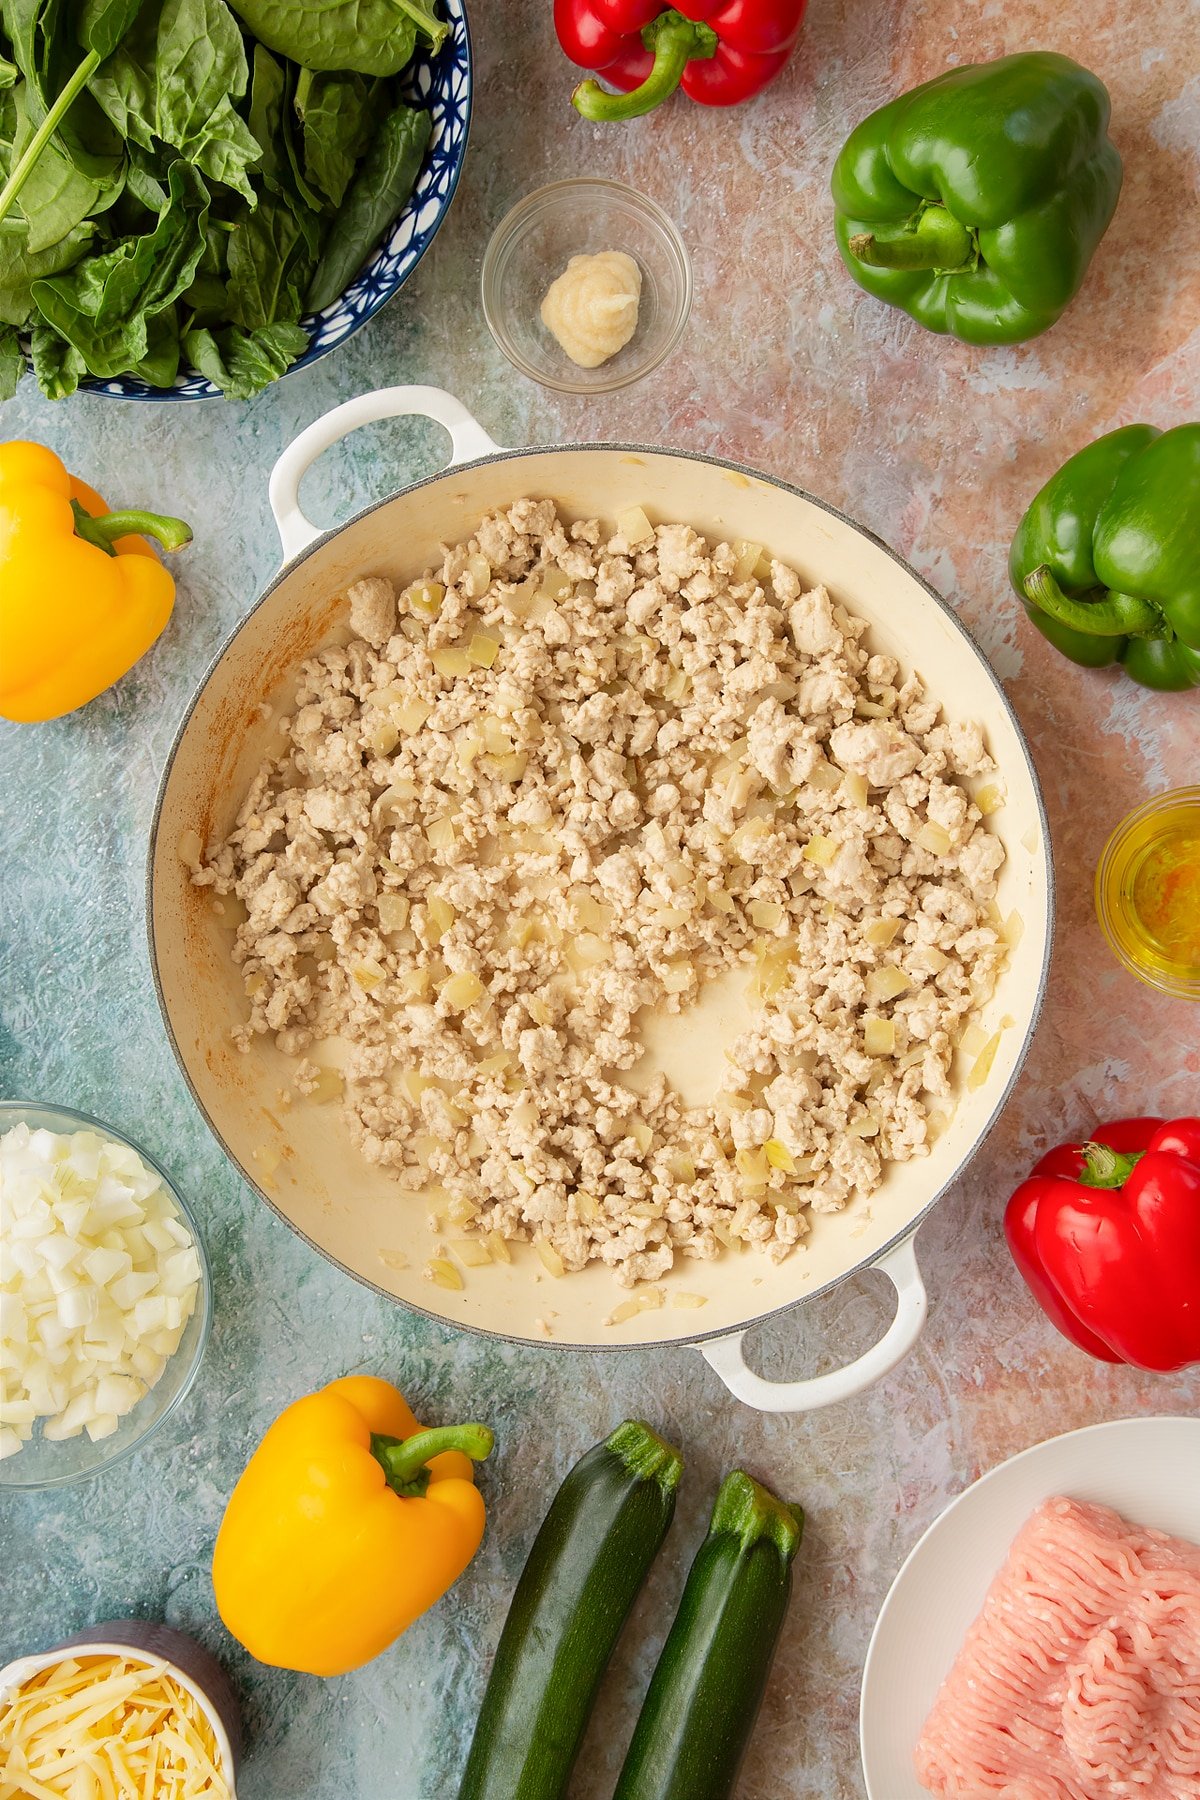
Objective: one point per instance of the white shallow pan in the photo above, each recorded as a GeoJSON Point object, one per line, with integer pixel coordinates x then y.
{"type": "Point", "coordinates": [300, 1159]}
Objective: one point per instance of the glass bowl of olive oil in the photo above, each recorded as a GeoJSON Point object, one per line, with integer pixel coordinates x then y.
{"type": "Point", "coordinates": [1148, 892]}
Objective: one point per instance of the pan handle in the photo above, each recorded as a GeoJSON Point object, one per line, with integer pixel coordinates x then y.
{"type": "Point", "coordinates": [725, 1355]}
{"type": "Point", "coordinates": [468, 440]}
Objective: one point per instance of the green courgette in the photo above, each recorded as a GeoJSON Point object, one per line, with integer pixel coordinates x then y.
{"type": "Point", "coordinates": [587, 1564]}
{"type": "Point", "coordinates": [705, 1693]}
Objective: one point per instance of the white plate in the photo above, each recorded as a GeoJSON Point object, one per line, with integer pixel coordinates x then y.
{"type": "Point", "coordinates": [1147, 1469]}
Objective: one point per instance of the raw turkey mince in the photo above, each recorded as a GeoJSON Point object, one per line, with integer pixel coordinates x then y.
{"type": "Point", "coordinates": [558, 784]}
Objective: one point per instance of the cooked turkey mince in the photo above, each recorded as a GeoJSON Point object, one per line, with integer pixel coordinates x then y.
{"type": "Point", "coordinates": [565, 779]}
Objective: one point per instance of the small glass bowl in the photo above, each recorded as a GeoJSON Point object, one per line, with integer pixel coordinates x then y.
{"type": "Point", "coordinates": [1122, 861]}
{"type": "Point", "coordinates": [533, 244]}
{"type": "Point", "coordinates": [39, 1464]}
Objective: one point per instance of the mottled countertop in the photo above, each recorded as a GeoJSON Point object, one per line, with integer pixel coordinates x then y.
{"type": "Point", "coordinates": [933, 445]}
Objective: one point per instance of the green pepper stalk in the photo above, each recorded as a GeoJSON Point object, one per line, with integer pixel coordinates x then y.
{"type": "Point", "coordinates": [1104, 1167]}
{"type": "Point", "coordinates": [103, 531]}
{"type": "Point", "coordinates": [1113, 616]}
{"type": "Point", "coordinates": [675, 42]}
{"type": "Point", "coordinates": [1105, 558]}
{"type": "Point", "coordinates": [404, 1460]}
{"type": "Point", "coordinates": [931, 239]}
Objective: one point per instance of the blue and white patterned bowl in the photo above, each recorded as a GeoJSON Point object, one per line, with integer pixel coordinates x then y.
{"type": "Point", "coordinates": [441, 82]}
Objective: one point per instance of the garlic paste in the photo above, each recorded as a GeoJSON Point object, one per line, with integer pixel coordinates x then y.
{"type": "Point", "coordinates": [592, 307]}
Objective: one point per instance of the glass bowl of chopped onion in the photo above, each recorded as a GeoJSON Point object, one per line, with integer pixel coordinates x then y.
{"type": "Point", "coordinates": [105, 1296]}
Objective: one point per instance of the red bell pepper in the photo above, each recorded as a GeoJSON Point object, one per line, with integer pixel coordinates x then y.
{"type": "Point", "coordinates": [719, 52]}
{"type": "Point", "coordinates": [1107, 1235]}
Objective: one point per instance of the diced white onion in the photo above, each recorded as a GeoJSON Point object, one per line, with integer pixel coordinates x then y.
{"type": "Point", "coordinates": [98, 1279]}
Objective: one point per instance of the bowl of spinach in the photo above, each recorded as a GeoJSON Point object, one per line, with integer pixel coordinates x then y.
{"type": "Point", "coordinates": [196, 197]}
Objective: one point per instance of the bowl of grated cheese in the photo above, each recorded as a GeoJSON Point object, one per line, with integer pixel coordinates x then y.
{"type": "Point", "coordinates": [129, 1706]}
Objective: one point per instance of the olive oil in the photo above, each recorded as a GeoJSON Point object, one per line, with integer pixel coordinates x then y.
{"type": "Point", "coordinates": [1148, 892]}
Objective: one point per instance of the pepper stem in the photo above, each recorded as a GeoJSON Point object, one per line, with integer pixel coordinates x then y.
{"type": "Point", "coordinates": [1104, 1167]}
{"type": "Point", "coordinates": [403, 1460]}
{"type": "Point", "coordinates": [932, 239]}
{"type": "Point", "coordinates": [1117, 615]}
{"type": "Point", "coordinates": [103, 532]}
{"type": "Point", "coordinates": [676, 42]}
{"type": "Point", "coordinates": [28, 158]}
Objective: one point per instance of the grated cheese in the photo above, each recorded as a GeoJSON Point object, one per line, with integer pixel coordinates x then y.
{"type": "Point", "coordinates": [116, 1727]}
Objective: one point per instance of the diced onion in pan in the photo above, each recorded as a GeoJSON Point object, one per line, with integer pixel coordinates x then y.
{"type": "Point", "coordinates": [779, 1156]}
{"type": "Point", "coordinates": [885, 984]}
{"type": "Point", "coordinates": [746, 555]}
{"type": "Point", "coordinates": [821, 850]}
{"type": "Point", "coordinates": [634, 526]}
{"type": "Point", "coordinates": [551, 1261]}
{"type": "Point", "coordinates": [981, 1068]}
{"type": "Point", "coordinates": [442, 1272]}
{"type": "Point", "coordinates": [934, 838]}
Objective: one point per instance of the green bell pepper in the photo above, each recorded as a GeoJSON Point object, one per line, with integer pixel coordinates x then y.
{"type": "Point", "coordinates": [1107, 559]}
{"type": "Point", "coordinates": [976, 201]}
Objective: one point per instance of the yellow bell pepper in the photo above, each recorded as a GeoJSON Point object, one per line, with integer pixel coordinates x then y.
{"type": "Point", "coordinates": [82, 596]}
{"type": "Point", "coordinates": [347, 1524]}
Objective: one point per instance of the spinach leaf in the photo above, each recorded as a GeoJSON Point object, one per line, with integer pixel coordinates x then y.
{"type": "Point", "coordinates": [272, 121]}
{"type": "Point", "coordinates": [207, 300]}
{"type": "Point", "coordinates": [177, 77]}
{"type": "Point", "coordinates": [201, 63]}
{"type": "Point", "coordinates": [55, 197]}
{"type": "Point", "coordinates": [242, 363]}
{"type": "Point", "coordinates": [219, 180]}
{"type": "Point", "coordinates": [21, 19]}
{"type": "Point", "coordinates": [267, 87]}
{"type": "Point", "coordinates": [160, 364]}
{"type": "Point", "coordinates": [293, 143]}
{"type": "Point", "coordinates": [20, 268]}
{"type": "Point", "coordinates": [384, 182]}
{"type": "Point", "coordinates": [376, 37]}
{"type": "Point", "coordinates": [57, 364]}
{"type": "Point", "coordinates": [8, 124]}
{"type": "Point", "coordinates": [337, 115]}
{"type": "Point", "coordinates": [103, 23]}
{"type": "Point", "coordinates": [12, 362]}
{"type": "Point", "coordinates": [225, 151]}
{"type": "Point", "coordinates": [272, 255]}
{"type": "Point", "coordinates": [142, 180]}
{"type": "Point", "coordinates": [102, 306]}
{"type": "Point", "coordinates": [48, 56]}
{"type": "Point", "coordinates": [124, 84]}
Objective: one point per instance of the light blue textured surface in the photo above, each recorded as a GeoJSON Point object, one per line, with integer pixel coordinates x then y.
{"type": "Point", "coordinates": [783, 366]}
